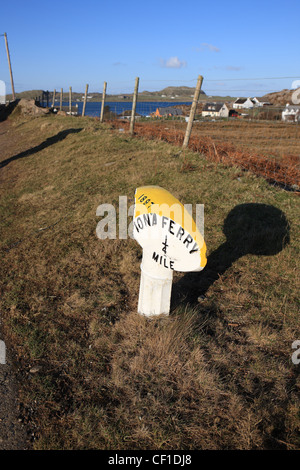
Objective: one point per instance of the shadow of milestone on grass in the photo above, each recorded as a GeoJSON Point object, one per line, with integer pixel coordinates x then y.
{"type": "Point", "coordinates": [256, 229]}
{"type": "Point", "coordinates": [50, 141]}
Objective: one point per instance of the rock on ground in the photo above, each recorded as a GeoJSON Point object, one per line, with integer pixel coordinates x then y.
{"type": "Point", "coordinates": [28, 107]}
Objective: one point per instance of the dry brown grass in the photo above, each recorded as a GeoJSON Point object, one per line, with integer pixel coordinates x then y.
{"type": "Point", "coordinates": [266, 138]}
{"type": "Point", "coordinates": [216, 374]}
{"type": "Point", "coordinates": [247, 152]}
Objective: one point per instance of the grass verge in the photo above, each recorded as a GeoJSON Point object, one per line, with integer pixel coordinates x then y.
{"type": "Point", "coordinates": [217, 373]}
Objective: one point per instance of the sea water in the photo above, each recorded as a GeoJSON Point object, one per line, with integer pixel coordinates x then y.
{"type": "Point", "coordinates": [144, 108]}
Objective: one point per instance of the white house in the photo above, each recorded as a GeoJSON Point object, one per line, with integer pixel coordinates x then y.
{"type": "Point", "coordinates": [261, 102]}
{"type": "Point", "coordinates": [215, 110]}
{"type": "Point", "coordinates": [291, 113]}
{"type": "Point", "coordinates": [241, 103]}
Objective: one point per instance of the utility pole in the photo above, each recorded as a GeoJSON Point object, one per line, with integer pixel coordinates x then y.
{"type": "Point", "coordinates": [9, 65]}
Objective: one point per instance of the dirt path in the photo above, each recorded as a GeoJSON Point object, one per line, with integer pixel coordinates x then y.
{"type": "Point", "coordinates": [13, 435]}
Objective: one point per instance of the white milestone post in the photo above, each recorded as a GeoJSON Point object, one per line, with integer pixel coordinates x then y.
{"type": "Point", "coordinates": [170, 241]}
{"type": "Point", "coordinates": [155, 286]}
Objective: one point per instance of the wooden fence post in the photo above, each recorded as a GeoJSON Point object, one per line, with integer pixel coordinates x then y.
{"type": "Point", "coordinates": [70, 101]}
{"type": "Point", "coordinates": [192, 112]}
{"type": "Point", "coordinates": [134, 105]}
{"type": "Point", "coordinates": [53, 100]}
{"type": "Point", "coordinates": [61, 99]}
{"type": "Point", "coordinates": [10, 69]}
{"type": "Point", "coordinates": [85, 98]}
{"type": "Point", "coordinates": [103, 102]}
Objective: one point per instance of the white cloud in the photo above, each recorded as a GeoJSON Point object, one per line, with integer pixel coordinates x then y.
{"type": "Point", "coordinates": [172, 63]}
{"type": "Point", "coordinates": [210, 47]}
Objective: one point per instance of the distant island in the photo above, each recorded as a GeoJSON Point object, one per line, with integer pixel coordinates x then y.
{"type": "Point", "coordinates": [171, 93]}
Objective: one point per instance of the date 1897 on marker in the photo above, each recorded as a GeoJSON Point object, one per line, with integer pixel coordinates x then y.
{"type": "Point", "coordinates": [145, 200]}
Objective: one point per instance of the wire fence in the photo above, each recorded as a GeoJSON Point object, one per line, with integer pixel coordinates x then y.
{"type": "Point", "coordinates": [253, 133]}
{"type": "Point", "coordinates": [242, 122]}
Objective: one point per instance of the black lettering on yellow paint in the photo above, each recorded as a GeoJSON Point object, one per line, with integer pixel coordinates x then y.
{"type": "Point", "coordinates": [144, 199]}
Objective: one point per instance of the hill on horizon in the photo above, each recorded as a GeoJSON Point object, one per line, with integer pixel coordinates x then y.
{"type": "Point", "coordinates": [175, 90]}
{"type": "Point", "coordinates": [277, 98]}
{"type": "Point", "coordinates": [280, 98]}
{"type": "Point", "coordinates": [168, 92]}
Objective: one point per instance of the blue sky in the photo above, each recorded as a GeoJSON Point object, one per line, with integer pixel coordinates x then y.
{"type": "Point", "coordinates": [56, 44]}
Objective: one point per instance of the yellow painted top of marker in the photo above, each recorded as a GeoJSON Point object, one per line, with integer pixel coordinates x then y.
{"type": "Point", "coordinates": [156, 200]}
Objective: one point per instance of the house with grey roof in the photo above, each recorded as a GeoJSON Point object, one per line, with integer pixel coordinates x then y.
{"type": "Point", "coordinates": [167, 111]}
{"type": "Point", "coordinates": [215, 110]}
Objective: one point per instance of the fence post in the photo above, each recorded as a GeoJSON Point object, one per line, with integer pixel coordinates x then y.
{"type": "Point", "coordinates": [53, 101]}
{"type": "Point", "coordinates": [70, 100]}
{"type": "Point", "coordinates": [85, 98]}
{"type": "Point", "coordinates": [10, 69]}
{"type": "Point", "coordinates": [61, 99]}
{"type": "Point", "coordinates": [134, 105]}
{"type": "Point", "coordinates": [103, 102]}
{"type": "Point", "coordinates": [192, 112]}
